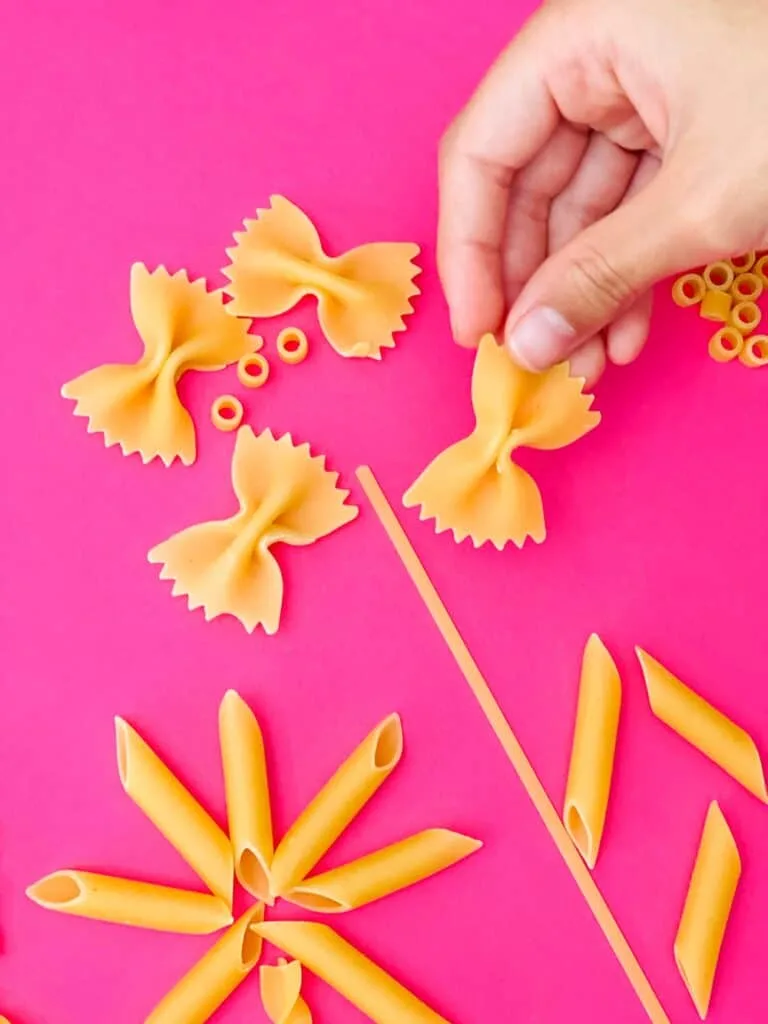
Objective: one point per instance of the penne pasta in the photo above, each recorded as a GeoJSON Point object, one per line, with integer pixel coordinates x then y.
{"type": "Point", "coordinates": [381, 873]}
{"type": "Point", "coordinates": [592, 753]}
{"type": "Point", "coordinates": [174, 812]}
{"type": "Point", "coordinates": [705, 728]}
{"type": "Point", "coordinates": [360, 981]}
{"type": "Point", "coordinates": [125, 901]}
{"type": "Point", "coordinates": [247, 790]}
{"type": "Point", "coordinates": [281, 993]}
{"type": "Point", "coordinates": [340, 801]}
{"type": "Point", "coordinates": [708, 904]}
{"type": "Point", "coordinates": [215, 976]}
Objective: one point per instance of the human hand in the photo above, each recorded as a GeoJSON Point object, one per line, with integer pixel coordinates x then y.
{"type": "Point", "coordinates": [611, 144]}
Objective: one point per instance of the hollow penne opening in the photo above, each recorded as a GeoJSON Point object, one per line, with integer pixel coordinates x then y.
{"type": "Point", "coordinates": [336, 805]}
{"type": "Point", "coordinates": [383, 872]}
{"type": "Point", "coordinates": [253, 874]}
{"type": "Point", "coordinates": [129, 902]}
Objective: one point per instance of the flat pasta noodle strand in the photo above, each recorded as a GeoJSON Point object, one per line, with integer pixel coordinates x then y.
{"type": "Point", "coordinates": [511, 746]}
{"type": "Point", "coordinates": [592, 753]}
{"type": "Point", "coordinates": [226, 567]}
{"type": "Point", "coordinates": [182, 327]}
{"type": "Point", "coordinates": [215, 976]}
{"type": "Point", "coordinates": [128, 902]}
{"type": "Point", "coordinates": [473, 488]}
{"type": "Point", "coordinates": [384, 872]}
{"type": "Point", "coordinates": [281, 993]}
{"type": "Point", "coordinates": [708, 902]}
{"type": "Point", "coordinates": [247, 790]}
{"type": "Point", "coordinates": [703, 726]}
{"type": "Point", "coordinates": [359, 980]}
{"type": "Point", "coordinates": [174, 812]}
{"type": "Point", "coordinates": [362, 296]}
{"type": "Point", "coordinates": [336, 805]}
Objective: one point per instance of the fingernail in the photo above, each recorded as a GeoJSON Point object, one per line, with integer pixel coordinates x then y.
{"type": "Point", "coordinates": [541, 338]}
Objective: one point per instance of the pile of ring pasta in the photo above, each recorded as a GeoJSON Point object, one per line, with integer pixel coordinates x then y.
{"type": "Point", "coordinates": [727, 293]}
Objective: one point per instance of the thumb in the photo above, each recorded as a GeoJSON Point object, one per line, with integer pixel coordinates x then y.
{"type": "Point", "coordinates": [599, 275]}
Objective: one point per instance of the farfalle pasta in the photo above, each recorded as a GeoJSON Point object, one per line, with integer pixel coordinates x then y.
{"type": "Point", "coordinates": [362, 296]}
{"type": "Point", "coordinates": [227, 567]}
{"type": "Point", "coordinates": [474, 488]}
{"type": "Point", "coordinates": [183, 327]}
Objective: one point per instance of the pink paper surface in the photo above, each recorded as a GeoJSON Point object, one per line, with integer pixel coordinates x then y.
{"type": "Point", "coordinates": [147, 132]}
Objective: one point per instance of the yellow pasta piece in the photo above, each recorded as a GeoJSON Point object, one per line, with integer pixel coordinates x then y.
{"type": "Point", "coordinates": [253, 370]}
{"type": "Point", "coordinates": [510, 744]}
{"type": "Point", "coordinates": [292, 345]}
{"type": "Point", "coordinates": [747, 288]}
{"type": "Point", "coordinates": [125, 901]}
{"type": "Point", "coordinates": [716, 305]}
{"type": "Point", "coordinates": [174, 811]}
{"type": "Point", "coordinates": [473, 488]}
{"type": "Point", "coordinates": [384, 872]}
{"type": "Point", "coordinates": [761, 269]}
{"type": "Point", "coordinates": [337, 804]}
{"type": "Point", "coordinates": [594, 745]}
{"type": "Point", "coordinates": [183, 327]}
{"type": "Point", "coordinates": [740, 264]}
{"type": "Point", "coordinates": [215, 976]}
{"type": "Point", "coordinates": [281, 993]}
{"type": "Point", "coordinates": [726, 344]}
{"type": "Point", "coordinates": [718, 276]}
{"type": "Point", "coordinates": [705, 728]}
{"type": "Point", "coordinates": [359, 980]}
{"type": "Point", "coordinates": [362, 296]}
{"type": "Point", "coordinates": [755, 351]}
{"type": "Point", "coordinates": [247, 789]}
{"type": "Point", "coordinates": [688, 290]}
{"type": "Point", "coordinates": [745, 316]}
{"type": "Point", "coordinates": [226, 567]}
{"type": "Point", "coordinates": [707, 907]}
{"type": "Point", "coordinates": [227, 413]}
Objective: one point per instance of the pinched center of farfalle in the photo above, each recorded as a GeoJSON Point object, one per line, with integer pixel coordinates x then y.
{"type": "Point", "coordinates": [268, 871]}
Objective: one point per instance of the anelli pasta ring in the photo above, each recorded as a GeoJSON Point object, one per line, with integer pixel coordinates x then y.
{"type": "Point", "coordinates": [292, 345]}
{"type": "Point", "coordinates": [253, 370]}
{"type": "Point", "coordinates": [227, 412]}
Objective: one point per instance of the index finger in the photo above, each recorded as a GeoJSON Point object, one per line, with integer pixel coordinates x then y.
{"type": "Point", "coordinates": [508, 120]}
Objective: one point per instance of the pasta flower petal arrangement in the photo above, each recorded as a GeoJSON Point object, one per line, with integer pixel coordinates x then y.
{"type": "Point", "coordinates": [362, 295]}
{"type": "Point", "coordinates": [227, 567]}
{"type": "Point", "coordinates": [183, 327]}
{"type": "Point", "coordinates": [473, 488]}
{"type": "Point", "coordinates": [247, 852]}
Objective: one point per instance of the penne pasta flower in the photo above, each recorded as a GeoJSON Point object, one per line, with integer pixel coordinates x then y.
{"type": "Point", "coordinates": [281, 993]}
{"type": "Point", "coordinates": [474, 488]}
{"type": "Point", "coordinates": [183, 327]}
{"type": "Point", "coordinates": [248, 853]}
{"type": "Point", "coordinates": [362, 296]}
{"type": "Point", "coordinates": [226, 567]}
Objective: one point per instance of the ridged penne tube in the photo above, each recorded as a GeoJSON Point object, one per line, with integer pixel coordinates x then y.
{"type": "Point", "coordinates": [360, 981]}
{"type": "Point", "coordinates": [281, 993]}
{"type": "Point", "coordinates": [705, 728]}
{"type": "Point", "coordinates": [707, 907]}
{"type": "Point", "coordinates": [381, 873]}
{"type": "Point", "coordinates": [125, 901]}
{"type": "Point", "coordinates": [215, 976]}
{"type": "Point", "coordinates": [592, 753]}
{"type": "Point", "coordinates": [247, 789]}
{"type": "Point", "coordinates": [337, 804]}
{"type": "Point", "coordinates": [174, 812]}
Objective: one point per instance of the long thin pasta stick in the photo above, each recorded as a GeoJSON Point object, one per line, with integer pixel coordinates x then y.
{"type": "Point", "coordinates": [506, 737]}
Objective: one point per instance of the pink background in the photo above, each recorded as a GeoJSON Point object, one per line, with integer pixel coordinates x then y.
{"type": "Point", "coordinates": [149, 132]}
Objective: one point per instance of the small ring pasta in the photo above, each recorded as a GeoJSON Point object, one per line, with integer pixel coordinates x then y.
{"type": "Point", "coordinates": [726, 344]}
{"type": "Point", "coordinates": [747, 287]}
{"type": "Point", "coordinates": [743, 262]}
{"type": "Point", "coordinates": [755, 351]}
{"type": "Point", "coordinates": [719, 276]}
{"type": "Point", "coordinates": [761, 269]}
{"type": "Point", "coordinates": [745, 316]}
{"type": "Point", "coordinates": [292, 345]}
{"type": "Point", "coordinates": [688, 289]}
{"type": "Point", "coordinates": [227, 412]}
{"type": "Point", "coordinates": [253, 370]}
